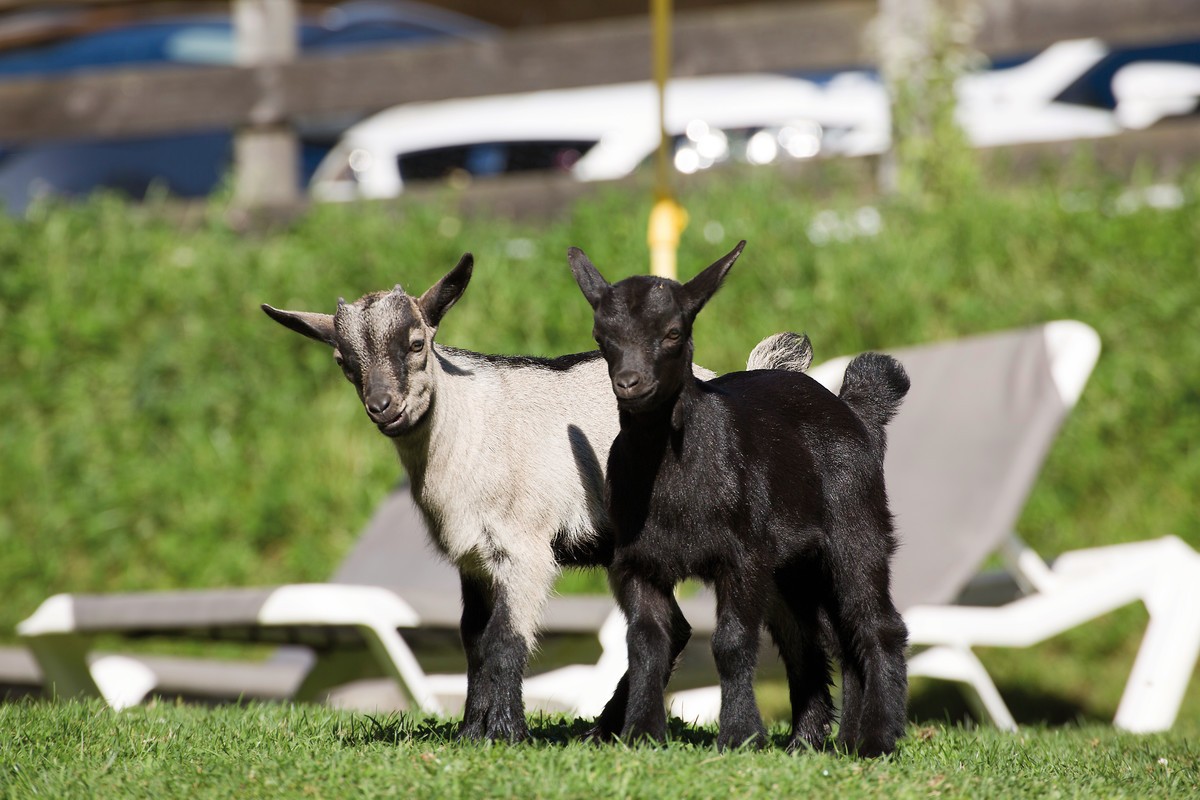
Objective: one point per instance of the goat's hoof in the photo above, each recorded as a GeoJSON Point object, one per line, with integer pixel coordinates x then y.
{"type": "Point", "coordinates": [645, 734]}
{"type": "Point", "coordinates": [495, 726]}
{"type": "Point", "coordinates": [810, 736]}
{"type": "Point", "coordinates": [805, 744]}
{"type": "Point", "coordinates": [599, 734]}
{"type": "Point", "coordinates": [470, 731]}
{"type": "Point", "coordinates": [507, 730]}
{"type": "Point", "coordinates": [751, 738]}
{"type": "Point", "coordinates": [872, 746]}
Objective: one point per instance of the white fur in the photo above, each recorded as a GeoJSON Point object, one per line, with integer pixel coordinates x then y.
{"type": "Point", "coordinates": [496, 475]}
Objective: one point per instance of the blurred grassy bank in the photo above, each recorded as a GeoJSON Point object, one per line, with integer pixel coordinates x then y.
{"type": "Point", "coordinates": [158, 431]}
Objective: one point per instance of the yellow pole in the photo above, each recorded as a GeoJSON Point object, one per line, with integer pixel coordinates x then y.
{"type": "Point", "coordinates": [667, 218]}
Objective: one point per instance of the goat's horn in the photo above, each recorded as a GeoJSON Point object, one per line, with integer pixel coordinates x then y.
{"type": "Point", "coordinates": [341, 303]}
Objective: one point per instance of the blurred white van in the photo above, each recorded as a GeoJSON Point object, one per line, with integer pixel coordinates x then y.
{"type": "Point", "coordinates": [604, 132]}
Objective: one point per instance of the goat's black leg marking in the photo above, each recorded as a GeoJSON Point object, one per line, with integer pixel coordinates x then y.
{"type": "Point", "coordinates": [477, 610]}
{"type": "Point", "coordinates": [648, 611]}
{"type": "Point", "coordinates": [740, 611]}
{"type": "Point", "coordinates": [612, 719]}
{"type": "Point", "coordinates": [873, 638]}
{"type": "Point", "coordinates": [494, 707]}
{"type": "Point", "coordinates": [794, 627]}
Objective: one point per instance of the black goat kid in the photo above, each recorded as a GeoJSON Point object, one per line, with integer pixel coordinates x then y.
{"type": "Point", "coordinates": [769, 488]}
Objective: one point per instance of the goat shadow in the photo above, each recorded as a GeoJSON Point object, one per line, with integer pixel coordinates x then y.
{"type": "Point", "coordinates": [545, 730]}
{"type": "Point", "coordinates": [940, 702]}
{"type": "Point", "coordinates": [591, 471]}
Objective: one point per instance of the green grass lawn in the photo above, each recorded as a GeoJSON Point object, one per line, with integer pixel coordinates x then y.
{"type": "Point", "coordinates": [84, 750]}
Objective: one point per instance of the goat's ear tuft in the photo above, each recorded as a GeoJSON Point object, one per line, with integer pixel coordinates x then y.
{"type": "Point", "coordinates": [700, 289]}
{"type": "Point", "coordinates": [439, 298]}
{"type": "Point", "coordinates": [590, 281]}
{"type": "Point", "coordinates": [309, 323]}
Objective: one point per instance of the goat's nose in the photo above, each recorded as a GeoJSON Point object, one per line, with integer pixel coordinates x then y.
{"type": "Point", "coordinates": [628, 383]}
{"type": "Point", "coordinates": [378, 402]}
{"type": "Point", "coordinates": [627, 380]}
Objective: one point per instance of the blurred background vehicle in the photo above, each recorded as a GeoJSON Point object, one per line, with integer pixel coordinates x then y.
{"type": "Point", "coordinates": [1149, 91]}
{"type": "Point", "coordinates": [64, 40]}
{"type": "Point", "coordinates": [605, 132]}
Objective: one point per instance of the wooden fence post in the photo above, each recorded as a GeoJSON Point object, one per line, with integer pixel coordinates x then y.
{"type": "Point", "coordinates": [900, 33]}
{"type": "Point", "coordinates": [266, 151]}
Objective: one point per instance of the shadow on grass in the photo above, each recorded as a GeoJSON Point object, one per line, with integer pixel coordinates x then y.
{"type": "Point", "coordinates": [931, 702]}
{"type": "Point", "coordinates": [938, 701]}
{"type": "Point", "coordinates": [544, 730]}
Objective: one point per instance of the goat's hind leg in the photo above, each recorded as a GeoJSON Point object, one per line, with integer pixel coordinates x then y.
{"type": "Point", "coordinates": [608, 725]}
{"type": "Point", "coordinates": [873, 638]}
{"type": "Point", "coordinates": [740, 613]}
{"type": "Point", "coordinates": [797, 634]}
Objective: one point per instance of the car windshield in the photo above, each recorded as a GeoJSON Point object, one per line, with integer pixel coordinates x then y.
{"type": "Point", "coordinates": [492, 158]}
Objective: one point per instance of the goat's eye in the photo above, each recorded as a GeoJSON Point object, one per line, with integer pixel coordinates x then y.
{"type": "Point", "coordinates": [347, 369]}
{"type": "Point", "coordinates": [417, 346]}
{"type": "Point", "coordinates": [673, 335]}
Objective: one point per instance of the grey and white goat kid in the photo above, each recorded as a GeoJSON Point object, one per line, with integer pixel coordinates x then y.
{"type": "Point", "coordinates": [769, 488]}
{"type": "Point", "coordinates": [506, 459]}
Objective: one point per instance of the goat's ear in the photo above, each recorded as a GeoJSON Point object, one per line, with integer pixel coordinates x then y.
{"type": "Point", "coordinates": [311, 324]}
{"type": "Point", "coordinates": [701, 288]}
{"type": "Point", "coordinates": [590, 281]}
{"type": "Point", "coordinates": [440, 297]}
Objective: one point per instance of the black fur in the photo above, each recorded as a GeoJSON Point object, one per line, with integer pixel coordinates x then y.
{"type": "Point", "coordinates": [769, 488]}
{"type": "Point", "coordinates": [496, 659]}
{"type": "Point", "coordinates": [558, 363]}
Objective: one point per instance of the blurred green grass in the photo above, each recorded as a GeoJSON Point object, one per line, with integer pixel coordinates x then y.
{"type": "Point", "coordinates": [158, 431]}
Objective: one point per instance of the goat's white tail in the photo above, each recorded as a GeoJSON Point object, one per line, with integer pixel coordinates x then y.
{"type": "Point", "coordinates": [790, 351]}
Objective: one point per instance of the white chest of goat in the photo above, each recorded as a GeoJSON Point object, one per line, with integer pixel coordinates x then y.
{"type": "Point", "coordinates": [512, 459]}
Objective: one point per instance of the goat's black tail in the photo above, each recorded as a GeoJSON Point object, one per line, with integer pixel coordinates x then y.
{"type": "Point", "coordinates": [790, 351]}
{"type": "Point", "coordinates": [873, 387]}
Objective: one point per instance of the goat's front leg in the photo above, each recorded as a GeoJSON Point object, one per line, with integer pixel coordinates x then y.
{"type": "Point", "coordinates": [477, 611]}
{"type": "Point", "coordinates": [873, 638]}
{"type": "Point", "coordinates": [740, 607]}
{"type": "Point", "coordinates": [519, 588]}
{"type": "Point", "coordinates": [648, 612]}
{"type": "Point", "coordinates": [612, 718]}
{"type": "Point", "coordinates": [494, 709]}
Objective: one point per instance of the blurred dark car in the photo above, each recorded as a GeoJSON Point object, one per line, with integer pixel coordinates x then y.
{"type": "Point", "coordinates": [191, 164]}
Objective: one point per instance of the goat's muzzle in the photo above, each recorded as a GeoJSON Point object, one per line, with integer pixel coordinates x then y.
{"type": "Point", "coordinates": [394, 424]}
{"type": "Point", "coordinates": [633, 390]}
{"type": "Point", "coordinates": [385, 411]}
